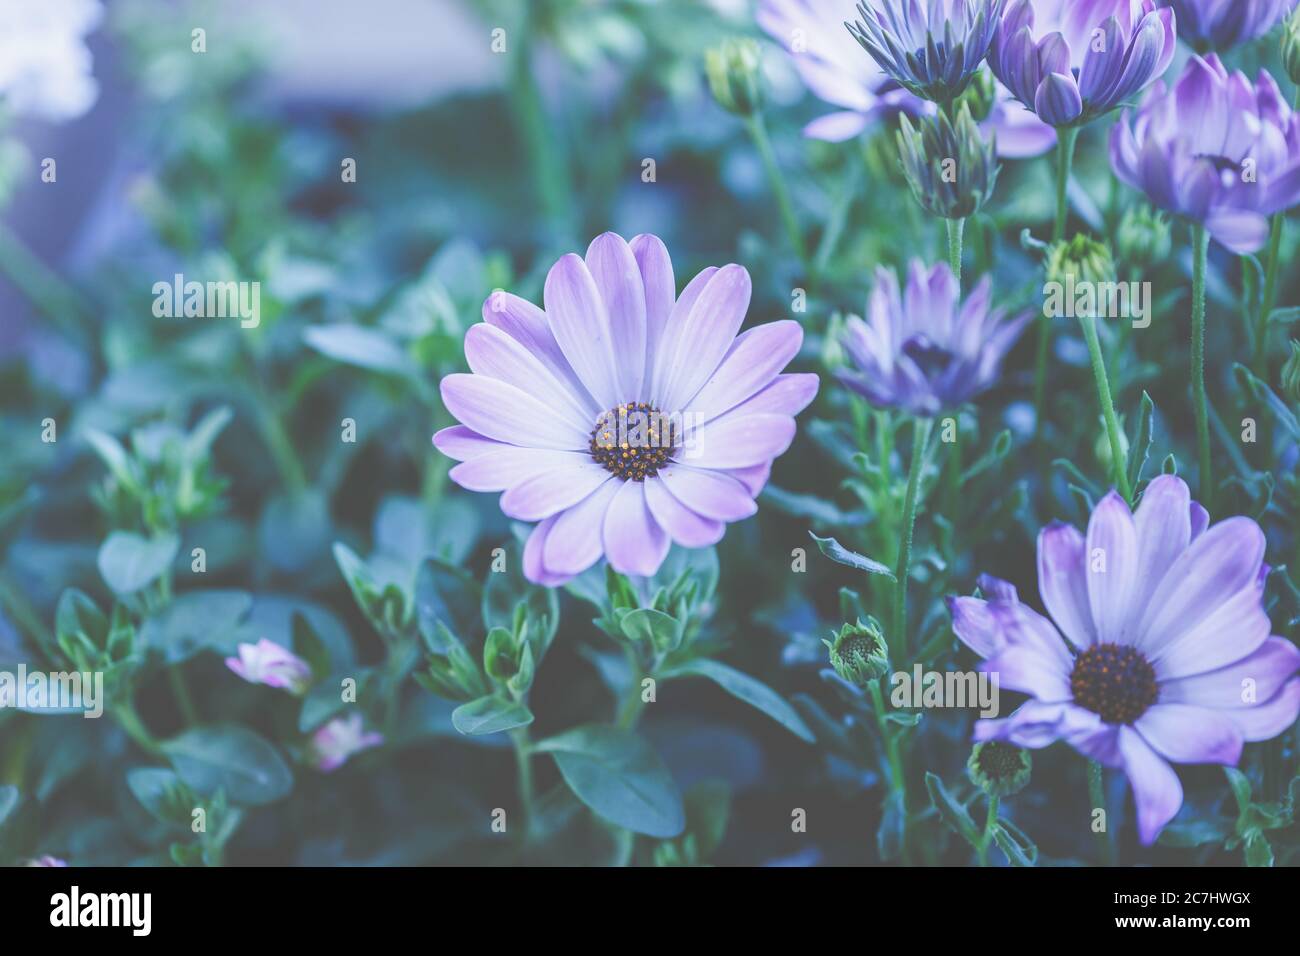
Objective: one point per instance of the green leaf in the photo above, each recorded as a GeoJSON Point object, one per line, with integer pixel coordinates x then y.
{"type": "Point", "coordinates": [157, 789]}
{"type": "Point", "coordinates": [1013, 841]}
{"type": "Point", "coordinates": [1258, 851]}
{"type": "Point", "coordinates": [837, 552]}
{"type": "Point", "coordinates": [812, 507]}
{"type": "Point", "coordinates": [490, 715]}
{"type": "Point", "coordinates": [114, 456]}
{"type": "Point", "coordinates": [446, 594]}
{"type": "Point", "coordinates": [197, 621]}
{"type": "Point", "coordinates": [360, 346]}
{"type": "Point", "coordinates": [308, 645]}
{"type": "Point", "coordinates": [1193, 833]}
{"type": "Point", "coordinates": [129, 562]}
{"type": "Point", "coordinates": [1001, 446]}
{"type": "Point", "coordinates": [1140, 449]}
{"type": "Point", "coordinates": [8, 800]}
{"type": "Point", "coordinates": [620, 777]}
{"type": "Point", "coordinates": [893, 817]}
{"type": "Point", "coordinates": [950, 810]}
{"type": "Point", "coordinates": [1258, 390]}
{"type": "Point", "coordinates": [751, 691]}
{"type": "Point", "coordinates": [198, 443]}
{"type": "Point", "coordinates": [1241, 788]}
{"type": "Point", "coordinates": [663, 631]}
{"type": "Point", "coordinates": [230, 758]}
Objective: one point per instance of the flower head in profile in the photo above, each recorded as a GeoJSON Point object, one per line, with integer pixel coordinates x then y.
{"type": "Point", "coordinates": [933, 50]}
{"type": "Point", "coordinates": [1214, 149]}
{"type": "Point", "coordinates": [343, 737]}
{"type": "Point", "coordinates": [1155, 650]}
{"type": "Point", "coordinates": [833, 66]}
{"type": "Point", "coordinates": [922, 349]}
{"type": "Point", "coordinates": [949, 166]}
{"type": "Point", "coordinates": [1223, 24]}
{"type": "Point", "coordinates": [1071, 61]}
{"type": "Point", "coordinates": [624, 417]}
{"type": "Point", "coordinates": [266, 662]}
{"type": "Point", "coordinates": [45, 65]}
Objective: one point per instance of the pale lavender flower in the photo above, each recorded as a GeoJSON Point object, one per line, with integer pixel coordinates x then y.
{"type": "Point", "coordinates": [1157, 650]}
{"type": "Point", "coordinates": [922, 350]}
{"type": "Point", "coordinates": [266, 662]}
{"type": "Point", "coordinates": [47, 861]}
{"type": "Point", "coordinates": [340, 739]}
{"type": "Point", "coordinates": [834, 67]}
{"type": "Point", "coordinates": [625, 417]}
{"type": "Point", "coordinates": [1222, 24]}
{"type": "Point", "coordinates": [45, 65]}
{"type": "Point", "coordinates": [1215, 150]}
{"type": "Point", "coordinates": [1070, 61]}
{"type": "Point", "coordinates": [932, 49]}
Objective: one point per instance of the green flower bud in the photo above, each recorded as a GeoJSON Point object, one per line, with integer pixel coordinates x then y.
{"type": "Point", "coordinates": [951, 168]}
{"type": "Point", "coordinates": [1080, 259]}
{"type": "Point", "coordinates": [1291, 46]}
{"type": "Point", "coordinates": [1101, 446]}
{"type": "Point", "coordinates": [979, 96]}
{"type": "Point", "coordinates": [999, 769]}
{"type": "Point", "coordinates": [1143, 235]}
{"type": "Point", "coordinates": [732, 68]}
{"type": "Point", "coordinates": [1291, 374]}
{"type": "Point", "coordinates": [859, 653]}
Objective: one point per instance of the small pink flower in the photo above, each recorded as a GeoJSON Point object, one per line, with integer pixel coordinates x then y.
{"type": "Point", "coordinates": [47, 861]}
{"type": "Point", "coordinates": [339, 739]}
{"type": "Point", "coordinates": [266, 662]}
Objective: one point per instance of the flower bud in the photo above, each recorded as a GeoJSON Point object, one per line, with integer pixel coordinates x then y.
{"type": "Point", "coordinates": [979, 96]}
{"type": "Point", "coordinates": [1143, 235]}
{"type": "Point", "coordinates": [951, 168]}
{"type": "Point", "coordinates": [1291, 46]}
{"type": "Point", "coordinates": [1080, 259]}
{"type": "Point", "coordinates": [858, 653]}
{"type": "Point", "coordinates": [1291, 374]}
{"type": "Point", "coordinates": [1101, 447]}
{"type": "Point", "coordinates": [732, 69]}
{"type": "Point", "coordinates": [999, 768]}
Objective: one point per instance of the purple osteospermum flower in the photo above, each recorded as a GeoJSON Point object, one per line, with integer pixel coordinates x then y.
{"type": "Point", "coordinates": [266, 662]}
{"type": "Point", "coordinates": [1070, 61]}
{"type": "Point", "coordinates": [923, 350]}
{"type": "Point", "coordinates": [931, 50]}
{"type": "Point", "coordinates": [1157, 650]}
{"type": "Point", "coordinates": [624, 417]}
{"type": "Point", "coordinates": [834, 67]}
{"type": "Point", "coordinates": [1221, 24]}
{"type": "Point", "coordinates": [341, 738]}
{"type": "Point", "coordinates": [1215, 150]}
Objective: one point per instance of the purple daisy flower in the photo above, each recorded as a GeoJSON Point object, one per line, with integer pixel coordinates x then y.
{"type": "Point", "coordinates": [625, 417]}
{"type": "Point", "coordinates": [832, 65]}
{"type": "Point", "coordinates": [1070, 61]}
{"type": "Point", "coordinates": [1157, 649]}
{"type": "Point", "coordinates": [1222, 24]}
{"type": "Point", "coordinates": [922, 350]}
{"type": "Point", "coordinates": [931, 50]}
{"type": "Point", "coordinates": [1214, 149]}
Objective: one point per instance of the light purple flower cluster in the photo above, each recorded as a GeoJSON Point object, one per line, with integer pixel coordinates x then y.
{"type": "Point", "coordinates": [1070, 61]}
{"type": "Point", "coordinates": [1157, 650]}
{"type": "Point", "coordinates": [1214, 149]}
{"type": "Point", "coordinates": [624, 417]}
{"type": "Point", "coordinates": [1221, 24]}
{"type": "Point", "coordinates": [837, 70]}
{"type": "Point", "coordinates": [922, 350]}
{"type": "Point", "coordinates": [932, 50]}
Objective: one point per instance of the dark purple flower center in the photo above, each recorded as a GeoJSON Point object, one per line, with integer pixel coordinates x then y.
{"type": "Point", "coordinates": [633, 441]}
{"type": "Point", "coordinates": [1115, 681]}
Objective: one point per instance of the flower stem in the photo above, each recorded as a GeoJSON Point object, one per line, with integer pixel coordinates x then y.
{"type": "Point", "coordinates": [1065, 142]}
{"type": "Point", "coordinates": [1200, 255]}
{"type": "Point", "coordinates": [523, 747]}
{"type": "Point", "coordinates": [1260, 361]}
{"type": "Point", "coordinates": [62, 304]}
{"type": "Point", "coordinates": [1097, 800]}
{"type": "Point", "coordinates": [990, 818]}
{"type": "Point", "coordinates": [758, 131]}
{"type": "Point", "coordinates": [1118, 464]}
{"type": "Point", "coordinates": [183, 699]}
{"type": "Point", "coordinates": [955, 229]}
{"type": "Point", "coordinates": [897, 780]}
{"type": "Point", "coordinates": [920, 439]}
{"type": "Point", "coordinates": [130, 722]}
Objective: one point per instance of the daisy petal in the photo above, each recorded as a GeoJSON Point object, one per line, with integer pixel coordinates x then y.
{"type": "Point", "coordinates": [1112, 568]}
{"type": "Point", "coordinates": [684, 526]}
{"type": "Point", "coordinates": [614, 269]}
{"type": "Point", "coordinates": [574, 542]}
{"type": "Point", "coordinates": [506, 413]}
{"type": "Point", "coordinates": [1187, 734]}
{"type": "Point", "coordinates": [581, 324]}
{"type": "Point", "coordinates": [1156, 790]}
{"type": "Point", "coordinates": [738, 442]}
{"type": "Point", "coordinates": [708, 493]}
{"type": "Point", "coordinates": [1254, 678]}
{"type": "Point", "coordinates": [549, 492]}
{"type": "Point", "coordinates": [634, 542]}
{"type": "Point", "coordinates": [1063, 582]}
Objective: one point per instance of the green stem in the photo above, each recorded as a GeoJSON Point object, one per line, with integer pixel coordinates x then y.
{"type": "Point", "coordinates": [1066, 140]}
{"type": "Point", "coordinates": [897, 780]}
{"type": "Point", "coordinates": [43, 287]}
{"type": "Point", "coordinates": [130, 722]}
{"type": "Point", "coordinates": [952, 491]}
{"type": "Point", "coordinates": [758, 130]}
{"type": "Point", "coordinates": [1097, 799]}
{"type": "Point", "coordinates": [920, 439]}
{"type": "Point", "coordinates": [1118, 464]}
{"type": "Point", "coordinates": [1200, 255]}
{"type": "Point", "coordinates": [182, 692]}
{"type": "Point", "coordinates": [990, 818]}
{"type": "Point", "coordinates": [629, 713]}
{"type": "Point", "coordinates": [955, 229]}
{"type": "Point", "coordinates": [523, 748]}
{"type": "Point", "coordinates": [1260, 361]}
{"type": "Point", "coordinates": [541, 136]}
